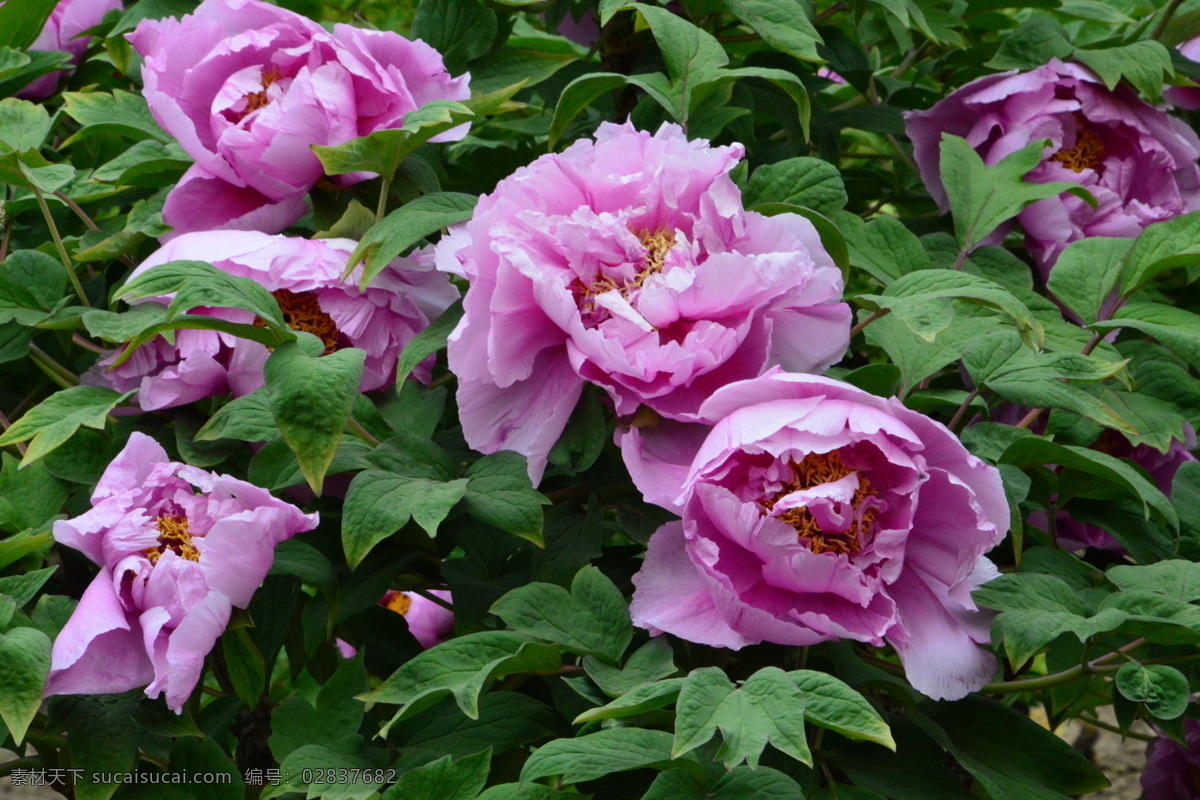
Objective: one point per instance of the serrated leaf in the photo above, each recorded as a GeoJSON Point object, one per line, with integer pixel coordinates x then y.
{"type": "Point", "coordinates": [595, 755]}
{"type": "Point", "coordinates": [500, 493]}
{"type": "Point", "coordinates": [380, 503]}
{"type": "Point", "coordinates": [59, 416]}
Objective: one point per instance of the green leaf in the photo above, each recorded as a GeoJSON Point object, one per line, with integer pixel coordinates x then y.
{"type": "Point", "coordinates": [1143, 63]}
{"type": "Point", "coordinates": [1038, 40]}
{"type": "Point", "coordinates": [28, 498]}
{"type": "Point", "coordinates": [247, 418]}
{"type": "Point", "coordinates": [883, 247]}
{"type": "Point", "coordinates": [22, 20]}
{"type": "Point", "coordinates": [444, 779]}
{"type": "Point", "coordinates": [1086, 274]}
{"type": "Point", "coordinates": [1162, 246]}
{"type": "Point", "coordinates": [406, 226]}
{"type": "Point", "coordinates": [192, 757]}
{"type": "Point", "coordinates": [23, 588]}
{"type": "Point", "coordinates": [500, 493]}
{"type": "Point", "coordinates": [23, 125]}
{"type": "Point", "coordinates": [311, 399]}
{"type": "Point", "coordinates": [196, 284]}
{"type": "Point", "coordinates": [101, 738]}
{"type": "Point", "coordinates": [649, 663]}
{"type": "Point", "coordinates": [578, 95]}
{"type": "Point", "coordinates": [123, 113]}
{"type": "Point", "coordinates": [59, 416]}
{"type": "Point", "coordinates": [740, 783]}
{"type": "Point", "coordinates": [767, 707]}
{"type": "Point", "coordinates": [1011, 756]}
{"type": "Point", "coordinates": [301, 559]}
{"type": "Point", "coordinates": [1174, 578]}
{"type": "Point", "coordinates": [983, 197]}
{"type": "Point", "coordinates": [1162, 688]}
{"type": "Point", "coordinates": [636, 701]}
{"type": "Point", "coordinates": [1033, 450]}
{"type": "Point", "coordinates": [921, 300]}
{"type": "Point", "coordinates": [831, 703]}
{"type": "Point", "coordinates": [595, 755]}
{"type": "Point", "coordinates": [809, 182]}
{"type": "Point", "coordinates": [24, 667]}
{"type": "Point", "coordinates": [380, 503]}
{"type": "Point", "coordinates": [458, 29]}
{"type": "Point", "coordinates": [501, 68]}
{"type": "Point", "coordinates": [247, 671]}
{"type": "Point", "coordinates": [461, 667]}
{"type": "Point", "coordinates": [785, 81]}
{"type": "Point", "coordinates": [783, 24]}
{"type": "Point", "coordinates": [28, 169]}
{"type": "Point", "coordinates": [146, 163]}
{"type": "Point", "coordinates": [591, 619]}
{"type": "Point", "coordinates": [428, 342]}
{"type": "Point", "coordinates": [1176, 328]}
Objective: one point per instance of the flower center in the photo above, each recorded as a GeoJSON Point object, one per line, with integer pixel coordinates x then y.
{"type": "Point", "coordinates": [256, 100]}
{"type": "Point", "coordinates": [399, 602]}
{"type": "Point", "coordinates": [1088, 152]}
{"type": "Point", "coordinates": [657, 243]}
{"type": "Point", "coordinates": [814, 470]}
{"type": "Point", "coordinates": [302, 312]}
{"type": "Point", "coordinates": [173, 535]}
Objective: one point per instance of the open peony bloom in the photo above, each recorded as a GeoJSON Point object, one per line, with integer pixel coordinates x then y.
{"type": "Point", "coordinates": [1138, 162]}
{"type": "Point", "coordinates": [177, 547]}
{"type": "Point", "coordinates": [1161, 467]}
{"type": "Point", "coordinates": [629, 262]}
{"type": "Point", "coordinates": [1173, 771]}
{"type": "Point", "coordinates": [305, 276]}
{"type": "Point", "coordinates": [815, 511]}
{"type": "Point", "coordinates": [1186, 97]}
{"type": "Point", "coordinates": [61, 32]}
{"type": "Point", "coordinates": [247, 87]}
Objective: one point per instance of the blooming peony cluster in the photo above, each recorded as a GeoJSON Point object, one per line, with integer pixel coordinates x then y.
{"type": "Point", "coordinates": [1137, 162]}
{"type": "Point", "coordinates": [247, 88]}
{"type": "Point", "coordinates": [305, 276]}
{"type": "Point", "coordinates": [814, 511]}
{"type": "Point", "coordinates": [629, 262]}
{"type": "Point", "coordinates": [178, 548]}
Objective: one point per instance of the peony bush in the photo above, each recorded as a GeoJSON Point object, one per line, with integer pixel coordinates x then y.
{"type": "Point", "coordinates": [495, 400]}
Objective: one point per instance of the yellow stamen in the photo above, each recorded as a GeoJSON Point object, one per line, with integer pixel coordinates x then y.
{"type": "Point", "coordinates": [657, 243]}
{"type": "Point", "coordinates": [399, 602]}
{"type": "Point", "coordinates": [256, 100]}
{"type": "Point", "coordinates": [302, 312]}
{"type": "Point", "coordinates": [173, 535]}
{"type": "Point", "coordinates": [814, 470]}
{"type": "Point", "coordinates": [1088, 152]}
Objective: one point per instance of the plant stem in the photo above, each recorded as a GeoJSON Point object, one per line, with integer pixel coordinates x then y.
{"type": "Point", "coordinates": [62, 249]}
{"type": "Point", "coordinates": [1059, 678]}
{"type": "Point", "coordinates": [1168, 12]}
{"type": "Point", "coordinates": [962, 409]}
{"type": "Point", "coordinates": [1030, 418]}
{"type": "Point", "coordinates": [362, 432]}
{"type": "Point", "coordinates": [54, 371]}
{"type": "Point", "coordinates": [384, 187]}
{"type": "Point", "coordinates": [86, 345]}
{"type": "Point", "coordinates": [857, 329]}
{"type": "Point", "coordinates": [1114, 729]}
{"type": "Point", "coordinates": [5, 423]}
{"type": "Point", "coordinates": [79, 212]}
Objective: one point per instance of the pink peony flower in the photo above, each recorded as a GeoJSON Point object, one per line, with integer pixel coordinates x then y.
{"type": "Point", "coordinates": [1138, 162]}
{"type": "Point", "coordinates": [1162, 467]}
{"type": "Point", "coordinates": [247, 87]}
{"type": "Point", "coordinates": [61, 32]}
{"type": "Point", "coordinates": [815, 511]}
{"type": "Point", "coordinates": [1186, 97]}
{"type": "Point", "coordinates": [177, 547]}
{"type": "Point", "coordinates": [1173, 771]}
{"type": "Point", "coordinates": [306, 277]}
{"type": "Point", "coordinates": [428, 622]}
{"type": "Point", "coordinates": [629, 262]}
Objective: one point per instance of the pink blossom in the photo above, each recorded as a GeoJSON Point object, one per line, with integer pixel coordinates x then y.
{"type": "Point", "coordinates": [1186, 97]}
{"type": "Point", "coordinates": [629, 262]}
{"type": "Point", "coordinates": [247, 88]}
{"type": "Point", "coordinates": [814, 511]}
{"type": "Point", "coordinates": [1138, 162]}
{"type": "Point", "coordinates": [428, 622]}
{"type": "Point", "coordinates": [178, 548]}
{"type": "Point", "coordinates": [1173, 770]}
{"type": "Point", "coordinates": [62, 32]}
{"type": "Point", "coordinates": [306, 278]}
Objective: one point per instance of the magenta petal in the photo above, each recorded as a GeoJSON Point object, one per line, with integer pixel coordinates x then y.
{"type": "Point", "coordinates": [659, 458]}
{"type": "Point", "coordinates": [99, 650]}
{"type": "Point", "coordinates": [940, 658]}
{"type": "Point", "coordinates": [670, 596]}
{"type": "Point", "coordinates": [202, 202]}
{"type": "Point", "coordinates": [178, 654]}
